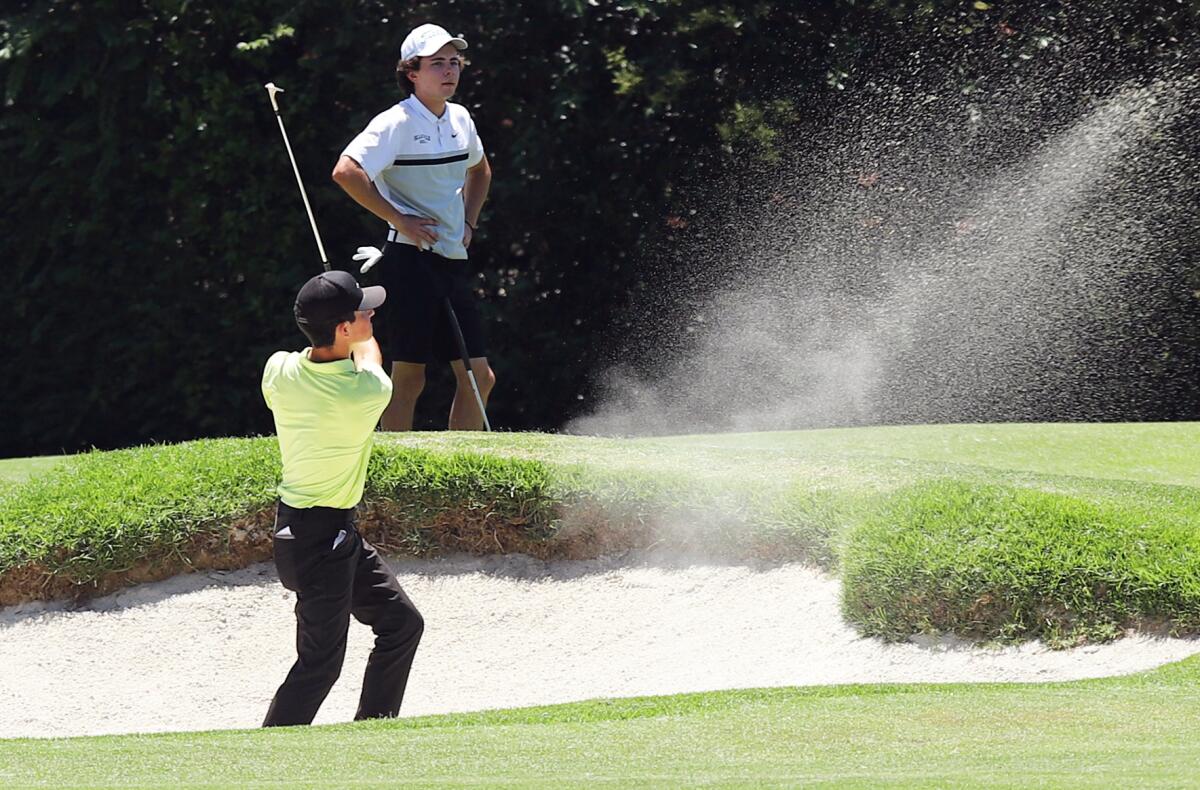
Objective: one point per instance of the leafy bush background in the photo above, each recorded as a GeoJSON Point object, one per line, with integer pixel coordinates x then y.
{"type": "Point", "coordinates": [152, 238]}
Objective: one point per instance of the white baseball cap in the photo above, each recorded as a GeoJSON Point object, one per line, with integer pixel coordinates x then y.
{"type": "Point", "coordinates": [425, 40]}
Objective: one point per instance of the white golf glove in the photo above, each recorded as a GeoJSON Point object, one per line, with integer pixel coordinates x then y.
{"type": "Point", "coordinates": [369, 256]}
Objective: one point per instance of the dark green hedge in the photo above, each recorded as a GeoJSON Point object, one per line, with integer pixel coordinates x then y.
{"type": "Point", "coordinates": [153, 239]}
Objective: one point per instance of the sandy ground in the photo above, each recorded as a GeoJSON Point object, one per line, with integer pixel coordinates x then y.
{"type": "Point", "coordinates": [205, 651]}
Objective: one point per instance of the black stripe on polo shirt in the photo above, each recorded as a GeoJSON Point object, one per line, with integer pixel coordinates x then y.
{"type": "Point", "coordinates": [445, 160]}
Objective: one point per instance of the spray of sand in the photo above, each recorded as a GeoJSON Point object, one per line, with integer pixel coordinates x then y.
{"type": "Point", "coordinates": [931, 260]}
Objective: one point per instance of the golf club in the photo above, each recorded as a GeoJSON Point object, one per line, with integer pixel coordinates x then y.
{"type": "Point", "coordinates": [365, 253]}
{"type": "Point", "coordinates": [272, 89]}
{"type": "Point", "coordinates": [466, 359]}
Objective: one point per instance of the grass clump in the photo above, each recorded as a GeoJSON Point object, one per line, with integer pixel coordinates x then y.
{"type": "Point", "coordinates": [418, 501]}
{"type": "Point", "coordinates": [427, 481]}
{"type": "Point", "coordinates": [1011, 562]}
{"type": "Point", "coordinates": [103, 512]}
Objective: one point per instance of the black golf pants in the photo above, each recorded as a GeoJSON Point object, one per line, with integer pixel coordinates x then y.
{"type": "Point", "coordinates": [335, 574]}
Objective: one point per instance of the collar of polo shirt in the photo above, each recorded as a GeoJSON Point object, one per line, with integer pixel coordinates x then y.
{"type": "Point", "coordinates": [417, 106]}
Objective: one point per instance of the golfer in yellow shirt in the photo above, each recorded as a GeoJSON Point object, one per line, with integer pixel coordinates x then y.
{"type": "Point", "coordinates": [326, 402]}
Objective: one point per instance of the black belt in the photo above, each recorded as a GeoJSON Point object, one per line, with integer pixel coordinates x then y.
{"type": "Point", "coordinates": [319, 511]}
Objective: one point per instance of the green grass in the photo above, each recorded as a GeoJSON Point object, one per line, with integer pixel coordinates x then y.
{"type": "Point", "coordinates": [102, 511]}
{"type": "Point", "coordinates": [18, 470]}
{"type": "Point", "coordinates": [1010, 562]}
{"type": "Point", "coordinates": [1119, 732]}
{"type": "Point", "coordinates": [1066, 532]}
{"type": "Point", "coordinates": [1140, 452]}
{"type": "Point", "coordinates": [1012, 531]}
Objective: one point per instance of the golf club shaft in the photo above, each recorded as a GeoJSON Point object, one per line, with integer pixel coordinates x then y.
{"type": "Point", "coordinates": [466, 358]}
{"type": "Point", "coordinates": [271, 90]}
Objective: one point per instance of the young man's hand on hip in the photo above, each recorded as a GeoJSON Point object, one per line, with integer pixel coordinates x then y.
{"type": "Point", "coordinates": [419, 229]}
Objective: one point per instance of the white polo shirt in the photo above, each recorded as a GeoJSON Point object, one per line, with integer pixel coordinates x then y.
{"type": "Point", "coordinates": [419, 162]}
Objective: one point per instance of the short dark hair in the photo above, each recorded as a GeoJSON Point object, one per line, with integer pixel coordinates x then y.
{"type": "Point", "coordinates": [322, 335]}
{"type": "Point", "coordinates": [402, 69]}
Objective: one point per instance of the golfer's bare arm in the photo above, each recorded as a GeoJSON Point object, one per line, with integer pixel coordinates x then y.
{"type": "Point", "coordinates": [355, 182]}
{"type": "Point", "coordinates": [475, 189]}
{"type": "Point", "coordinates": [367, 352]}
{"type": "Point", "coordinates": [350, 176]}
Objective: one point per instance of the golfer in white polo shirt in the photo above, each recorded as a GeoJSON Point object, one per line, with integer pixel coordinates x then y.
{"type": "Point", "coordinates": [420, 166]}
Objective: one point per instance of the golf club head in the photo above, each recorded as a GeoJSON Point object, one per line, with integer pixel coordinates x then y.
{"type": "Point", "coordinates": [272, 89]}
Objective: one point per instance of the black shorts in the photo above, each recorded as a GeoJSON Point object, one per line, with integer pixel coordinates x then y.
{"type": "Point", "coordinates": [415, 325]}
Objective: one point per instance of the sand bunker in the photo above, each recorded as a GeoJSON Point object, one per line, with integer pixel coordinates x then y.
{"type": "Point", "coordinates": [206, 651]}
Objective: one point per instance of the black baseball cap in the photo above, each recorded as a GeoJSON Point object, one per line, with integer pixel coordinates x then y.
{"type": "Point", "coordinates": [332, 295]}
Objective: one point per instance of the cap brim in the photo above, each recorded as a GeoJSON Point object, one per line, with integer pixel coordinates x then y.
{"type": "Point", "coordinates": [373, 296]}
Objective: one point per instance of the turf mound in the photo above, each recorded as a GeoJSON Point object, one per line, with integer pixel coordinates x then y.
{"type": "Point", "coordinates": [974, 530]}
{"type": "Point", "coordinates": [105, 520]}
{"type": "Point", "coordinates": [1003, 561]}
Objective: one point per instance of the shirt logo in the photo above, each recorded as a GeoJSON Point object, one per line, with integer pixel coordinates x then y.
{"type": "Point", "coordinates": [422, 138]}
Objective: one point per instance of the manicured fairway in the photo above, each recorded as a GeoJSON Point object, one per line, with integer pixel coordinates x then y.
{"type": "Point", "coordinates": [17, 470]}
{"type": "Point", "coordinates": [1123, 732]}
{"type": "Point", "coordinates": [1160, 452]}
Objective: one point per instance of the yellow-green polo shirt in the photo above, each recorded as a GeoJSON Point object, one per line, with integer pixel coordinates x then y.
{"type": "Point", "coordinates": [325, 415]}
